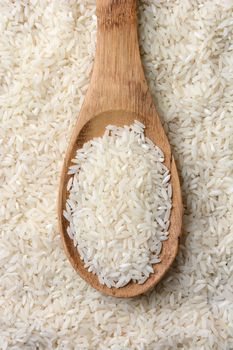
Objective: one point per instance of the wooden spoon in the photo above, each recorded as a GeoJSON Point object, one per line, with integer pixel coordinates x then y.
{"type": "Point", "coordinates": [118, 94]}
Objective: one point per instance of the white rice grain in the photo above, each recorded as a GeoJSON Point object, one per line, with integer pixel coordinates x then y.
{"type": "Point", "coordinates": [126, 228]}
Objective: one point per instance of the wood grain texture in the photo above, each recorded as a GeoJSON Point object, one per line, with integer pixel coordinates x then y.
{"type": "Point", "coordinates": [118, 94]}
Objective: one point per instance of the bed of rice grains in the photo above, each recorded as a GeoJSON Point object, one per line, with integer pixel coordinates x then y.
{"type": "Point", "coordinates": [119, 205]}
{"type": "Point", "coordinates": [47, 50]}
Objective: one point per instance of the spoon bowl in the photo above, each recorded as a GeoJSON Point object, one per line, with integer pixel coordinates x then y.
{"type": "Point", "coordinates": [118, 95]}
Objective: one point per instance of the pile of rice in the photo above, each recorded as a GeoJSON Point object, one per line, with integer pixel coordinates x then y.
{"type": "Point", "coordinates": [119, 205]}
{"type": "Point", "coordinates": [47, 50]}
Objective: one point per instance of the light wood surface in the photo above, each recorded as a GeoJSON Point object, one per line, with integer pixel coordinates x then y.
{"type": "Point", "coordinates": [118, 94]}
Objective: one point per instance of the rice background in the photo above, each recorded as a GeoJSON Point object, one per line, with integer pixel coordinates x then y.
{"type": "Point", "coordinates": [46, 56]}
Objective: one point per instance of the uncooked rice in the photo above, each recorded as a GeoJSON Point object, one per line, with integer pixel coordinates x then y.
{"type": "Point", "coordinates": [119, 205]}
{"type": "Point", "coordinates": [47, 50]}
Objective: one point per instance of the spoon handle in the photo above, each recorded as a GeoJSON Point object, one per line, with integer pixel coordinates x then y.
{"type": "Point", "coordinates": [116, 12]}
{"type": "Point", "coordinates": [117, 74]}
